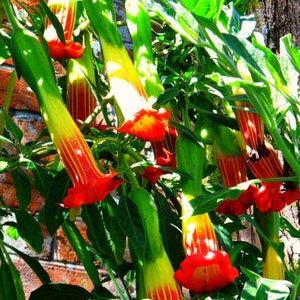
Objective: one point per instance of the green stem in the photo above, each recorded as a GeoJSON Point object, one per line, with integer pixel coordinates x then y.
{"type": "Point", "coordinates": [10, 15]}
{"type": "Point", "coordinates": [295, 287]}
{"type": "Point", "coordinates": [129, 173]}
{"type": "Point", "coordinates": [124, 296]}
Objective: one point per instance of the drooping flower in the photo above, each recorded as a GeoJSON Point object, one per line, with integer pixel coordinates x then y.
{"type": "Point", "coordinates": [205, 267]}
{"type": "Point", "coordinates": [159, 281]}
{"type": "Point", "coordinates": [272, 196]}
{"type": "Point", "coordinates": [90, 184]}
{"type": "Point", "coordinates": [252, 128]}
{"type": "Point", "coordinates": [98, 188]}
{"type": "Point", "coordinates": [81, 101]}
{"type": "Point", "coordinates": [233, 171]}
{"type": "Point", "coordinates": [250, 123]}
{"type": "Point", "coordinates": [70, 144]}
{"type": "Point", "coordinates": [148, 124]}
{"type": "Point", "coordinates": [140, 119]}
{"type": "Point", "coordinates": [206, 272]}
{"type": "Point", "coordinates": [152, 173]}
{"type": "Point", "coordinates": [65, 11]}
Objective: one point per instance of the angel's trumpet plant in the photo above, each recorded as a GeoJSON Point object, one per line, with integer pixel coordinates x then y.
{"type": "Point", "coordinates": [90, 185]}
{"type": "Point", "coordinates": [135, 113]}
{"type": "Point", "coordinates": [205, 267]}
{"type": "Point", "coordinates": [65, 12]}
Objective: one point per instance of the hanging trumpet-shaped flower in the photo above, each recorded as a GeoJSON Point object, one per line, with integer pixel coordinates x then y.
{"type": "Point", "coordinates": [132, 103]}
{"type": "Point", "coordinates": [232, 166]}
{"type": "Point", "coordinates": [81, 101]}
{"type": "Point", "coordinates": [205, 267]}
{"type": "Point", "coordinates": [65, 11]}
{"type": "Point", "coordinates": [159, 281]}
{"type": "Point", "coordinates": [233, 171]}
{"type": "Point", "coordinates": [272, 196]}
{"type": "Point", "coordinates": [90, 185]}
{"type": "Point", "coordinates": [249, 121]}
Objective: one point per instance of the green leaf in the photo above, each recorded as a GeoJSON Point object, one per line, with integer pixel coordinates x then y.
{"type": "Point", "coordinates": [60, 291]}
{"type": "Point", "coordinates": [261, 288]}
{"type": "Point", "coordinates": [29, 229]}
{"type": "Point", "coordinates": [170, 228]}
{"type": "Point", "coordinates": [167, 96]}
{"type": "Point", "coordinates": [81, 248]}
{"type": "Point", "coordinates": [204, 8]}
{"type": "Point", "coordinates": [53, 19]}
{"type": "Point", "coordinates": [243, 48]}
{"type": "Point", "coordinates": [34, 264]}
{"type": "Point", "coordinates": [291, 51]}
{"type": "Point", "coordinates": [22, 186]}
{"type": "Point", "coordinates": [209, 202]}
{"type": "Point", "coordinates": [53, 212]}
{"type": "Point", "coordinates": [11, 286]}
{"type": "Point", "coordinates": [14, 129]}
{"type": "Point", "coordinates": [104, 231]}
{"type": "Point", "coordinates": [177, 17]}
{"type": "Point", "coordinates": [12, 232]}
{"type": "Point", "coordinates": [131, 224]}
{"type": "Point", "coordinates": [42, 178]}
{"type": "Point", "coordinates": [287, 226]}
{"type": "Point", "coordinates": [4, 50]}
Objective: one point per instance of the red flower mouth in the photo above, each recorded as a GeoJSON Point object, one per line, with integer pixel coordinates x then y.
{"type": "Point", "coordinates": [148, 124]}
{"type": "Point", "coordinates": [203, 273]}
{"type": "Point", "coordinates": [70, 49]}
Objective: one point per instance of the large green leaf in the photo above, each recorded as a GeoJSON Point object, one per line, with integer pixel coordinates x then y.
{"type": "Point", "coordinates": [42, 178]}
{"type": "Point", "coordinates": [81, 248]}
{"type": "Point", "coordinates": [14, 130]}
{"type": "Point", "coordinates": [53, 212]}
{"type": "Point", "coordinates": [60, 291]}
{"type": "Point", "coordinates": [11, 286]}
{"type": "Point", "coordinates": [34, 264]}
{"type": "Point", "coordinates": [204, 8]}
{"type": "Point", "coordinates": [4, 50]}
{"type": "Point", "coordinates": [29, 229]}
{"type": "Point", "coordinates": [260, 288]}
{"type": "Point", "coordinates": [22, 186]}
{"type": "Point", "coordinates": [104, 230]}
{"type": "Point", "coordinates": [131, 224]}
{"type": "Point", "coordinates": [209, 202]}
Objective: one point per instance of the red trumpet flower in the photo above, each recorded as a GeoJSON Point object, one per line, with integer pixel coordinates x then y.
{"type": "Point", "coordinates": [148, 124]}
{"type": "Point", "coordinates": [203, 273]}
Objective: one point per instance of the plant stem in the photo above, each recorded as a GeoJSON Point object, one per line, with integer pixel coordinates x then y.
{"type": "Point", "coordinates": [124, 296]}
